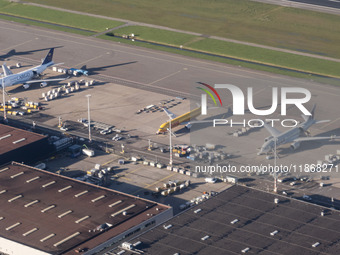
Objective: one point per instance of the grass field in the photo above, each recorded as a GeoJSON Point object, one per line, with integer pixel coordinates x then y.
{"type": "Point", "coordinates": [156, 35]}
{"type": "Point", "coordinates": [35, 23]}
{"type": "Point", "coordinates": [57, 17]}
{"type": "Point", "coordinates": [244, 20]}
{"type": "Point", "coordinates": [240, 64]}
{"type": "Point", "coordinates": [260, 55]}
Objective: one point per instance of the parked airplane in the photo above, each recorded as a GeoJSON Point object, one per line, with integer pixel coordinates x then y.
{"type": "Point", "coordinates": [27, 77]}
{"type": "Point", "coordinates": [184, 119]}
{"type": "Point", "coordinates": [292, 135]}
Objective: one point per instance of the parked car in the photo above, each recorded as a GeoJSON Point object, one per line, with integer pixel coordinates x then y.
{"type": "Point", "coordinates": [117, 138]}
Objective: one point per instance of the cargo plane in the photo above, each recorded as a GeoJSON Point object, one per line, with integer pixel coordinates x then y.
{"type": "Point", "coordinates": [292, 135]}
{"type": "Point", "coordinates": [28, 77]}
{"type": "Point", "coordinates": [175, 121]}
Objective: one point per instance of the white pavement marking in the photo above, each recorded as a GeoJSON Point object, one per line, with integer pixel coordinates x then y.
{"type": "Point", "coordinates": [93, 42]}
{"type": "Point", "coordinates": [14, 46]}
{"type": "Point", "coordinates": [165, 77]}
{"type": "Point", "coordinates": [87, 61]}
{"type": "Point", "coordinates": [329, 123]}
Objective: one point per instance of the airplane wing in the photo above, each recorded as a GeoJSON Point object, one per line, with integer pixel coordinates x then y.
{"type": "Point", "coordinates": [47, 80]}
{"type": "Point", "coordinates": [57, 64]}
{"type": "Point", "coordinates": [273, 131]}
{"type": "Point", "coordinates": [170, 114]}
{"type": "Point", "coordinates": [302, 139]}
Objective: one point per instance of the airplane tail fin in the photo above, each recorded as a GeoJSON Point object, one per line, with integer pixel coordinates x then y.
{"type": "Point", "coordinates": [313, 110]}
{"type": "Point", "coordinates": [6, 70]}
{"type": "Point", "coordinates": [309, 117]}
{"type": "Point", "coordinates": [48, 57]}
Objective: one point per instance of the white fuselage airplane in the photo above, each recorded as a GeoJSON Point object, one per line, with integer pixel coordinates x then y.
{"type": "Point", "coordinates": [292, 135]}
{"type": "Point", "coordinates": [27, 77]}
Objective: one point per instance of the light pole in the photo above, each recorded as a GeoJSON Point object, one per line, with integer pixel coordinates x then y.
{"type": "Point", "coordinates": [170, 133]}
{"type": "Point", "coordinates": [3, 100]}
{"type": "Point", "coordinates": [88, 116]}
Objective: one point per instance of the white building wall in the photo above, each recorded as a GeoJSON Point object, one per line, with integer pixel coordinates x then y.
{"type": "Point", "coordinates": [14, 248]}
{"type": "Point", "coordinates": [158, 219]}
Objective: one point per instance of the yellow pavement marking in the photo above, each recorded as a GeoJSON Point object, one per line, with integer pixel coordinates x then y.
{"type": "Point", "coordinates": [139, 168]}
{"type": "Point", "coordinates": [165, 77]}
{"type": "Point", "coordinates": [108, 162]}
{"type": "Point", "coordinates": [149, 185]}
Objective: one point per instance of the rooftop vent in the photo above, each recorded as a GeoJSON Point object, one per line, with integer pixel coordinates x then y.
{"type": "Point", "coordinates": [115, 203]}
{"type": "Point", "coordinates": [167, 226]}
{"type": "Point", "coordinates": [19, 141]}
{"type": "Point", "coordinates": [47, 237]}
{"type": "Point", "coordinates": [16, 175]}
{"type": "Point", "coordinates": [32, 203]}
{"type": "Point", "coordinates": [274, 233]}
{"type": "Point", "coordinates": [30, 231]}
{"type": "Point", "coordinates": [4, 169]}
{"type": "Point", "coordinates": [205, 238]}
{"type": "Point", "coordinates": [14, 198]}
{"type": "Point", "coordinates": [81, 193]}
{"type": "Point", "coordinates": [5, 136]}
{"type": "Point", "coordinates": [198, 210]}
{"type": "Point", "coordinates": [125, 209]}
{"type": "Point", "coordinates": [47, 208]}
{"type": "Point", "coordinates": [245, 250]}
{"type": "Point", "coordinates": [97, 198]}
{"type": "Point", "coordinates": [48, 184]}
{"type": "Point", "coordinates": [33, 179]}
{"type": "Point", "coordinates": [64, 214]}
{"type": "Point", "coordinates": [234, 221]}
{"type": "Point", "coordinates": [65, 188]}
{"type": "Point", "coordinates": [66, 239]}
{"type": "Point", "coordinates": [13, 226]}
{"type": "Point", "coordinates": [315, 244]}
{"type": "Point", "coordinates": [82, 219]}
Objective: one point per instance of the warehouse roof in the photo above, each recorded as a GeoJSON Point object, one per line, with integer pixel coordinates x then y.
{"type": "Point", "coordinates": [243, 219]}
{"type": "Point", "coordinates": [54, 213]}
{"type": "Point", "coordinates": [12, 138]}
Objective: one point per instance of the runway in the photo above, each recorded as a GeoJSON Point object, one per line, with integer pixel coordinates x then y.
{"type": "Point", "coordinates": [326, 6]}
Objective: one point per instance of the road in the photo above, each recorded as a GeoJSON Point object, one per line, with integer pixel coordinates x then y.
{"type": "Point", "coordinates": [327, 6]}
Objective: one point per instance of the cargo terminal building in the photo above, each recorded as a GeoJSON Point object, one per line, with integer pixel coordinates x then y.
{"type": "Point", "coordinates": [242, 220]}
{"type": "Point", "coordinates": [21, 145]}
{"type": "Point", "coordinates": [45, 213]}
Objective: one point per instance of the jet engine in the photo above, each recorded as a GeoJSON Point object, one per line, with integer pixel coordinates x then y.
{"type": "Point", "coordinates": [295, 145]}
{"type": "Point", "coordinates": [43, 84]}
{"type": "Point", "coordinates": [26, 86]}
{"type": "Point", "coordinates": [188, 126]}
